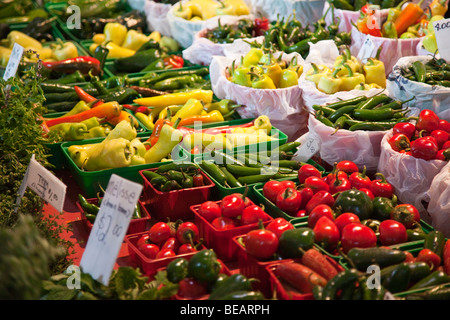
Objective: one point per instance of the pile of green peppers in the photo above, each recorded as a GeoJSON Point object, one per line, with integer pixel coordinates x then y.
{"type": "Point", "coordinates": [356, 5]}
{"type": "Point", "coordinates": [245, 28]}
{"type": "Point", "coordinates": [291, 36]}
{"type": "Point", "coordinates": [433, 72]}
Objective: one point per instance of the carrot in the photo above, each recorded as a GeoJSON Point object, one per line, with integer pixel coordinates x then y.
{"type": "Point", "coordinates": [318, 262]}
{"type": "Point", "coordinates": [299, 276]}
{"type": "Point", "coordinates": [408, 16]}
{"type": "Point", "coordinates": [105, 112]}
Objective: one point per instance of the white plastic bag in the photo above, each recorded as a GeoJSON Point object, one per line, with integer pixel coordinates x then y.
{"type": "Point", "coordinates": [325, 52]}
{"type": "Point", "coordinates": [202, 49]}
{"type": "Point", "coordinates": [137, 4]}
{"type": "Point", "coordinates": [439, 201]}
{"type": "Point", "coordinates": [156, 14]}
{"type": "Point", "coordinates": [284, 107]}
{"type": "Point", "coordinates": [411, 177]}
{"type": "Point", "coordinates": [361, 147]}
{"type": "Point", "coordinates": [436, 98]}
{"type": "Point", "coordinates": [392, 49]}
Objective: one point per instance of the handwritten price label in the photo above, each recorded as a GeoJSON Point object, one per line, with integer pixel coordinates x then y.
{"type": "Point", "coordinates": [110, 226]}
{"type": "Point", "coordinates": [442, 32]}
{"type": "Point", "coordinates": [308, 148]}
{"type": "Point", "coordinates": [13, 62]}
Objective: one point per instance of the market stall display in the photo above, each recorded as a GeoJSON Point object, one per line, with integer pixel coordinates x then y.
{"type": "Point", "coordinates": [275, 157]}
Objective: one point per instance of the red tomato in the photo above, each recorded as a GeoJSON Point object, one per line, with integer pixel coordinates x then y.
{"type": "Point", "coordinates": [360, 180]}
{"type": "Point", "coordinates": [316, 184]}
{"type": "Point", "coordinates": [380, 187]}
{"type": "Point", "coordinates": [301, 213]}
{"type": "Point", "coordinates": [289, 200]}
{"type": "Point", "coordinates": [424, 148]}
{"type": "Point", "coordinates": [443, 155]}
{"type": "Point", "coordinates": [308, 170]}
{"type": "Point", "coordinates": [321, 197]}
{"type": "Point", "coordinates": [187, 232]}
{"type": "Point", "coordinates": [346, 218]}
{"type": "Point", "coordinates": [209, 210]}
{"type": "Point", "coordinates": [444, 125]}
{"type": "Point", "coordinates": [272, 188]}
{"type": "Point", "coordinates": [318, 212]}
{"type": "Point", "coordinates": [407, 128]}
{"type": "Point", "coordinates": [440, 136]}
{"type": "Point", "coordinates": [149, 250]}
{"type": "Point", "coordinates": [430, 257]}
{"type": "Point", "coordinates": [407, 214]}
{"type": "Point", "coordinates": [159, 232]}
{"type": "Point", "coordinates": [339, 185]}
{"type": "Point", "coordinates": [279, 225]}
{"type": "Point", "coordinates": [223, 223]}
{"type": "Point", "coordinates": [368, 192]}
{"type": "Point", "coordinates": [191, 288]}
{"type": "Point", "coordinates": [347, 166]}
{"type": "Point", "coordinates": [307, 194]}
{"type": "Point", "coordinates": [326, 233]}
{"type": "Point", "coordinates": [288, 184]}
{"type": "Point", "coordinates": [428, 121]}
{"type": "Point", "coordinates": [261, 243]}
{"type": "Point", "coordinates": [446, 145]}
{"type": "Point", "coordinates": [232, 206]}
{"type": "Point", "coordinates": [252, 214]}
{"type": "Point", "coordinates": [165, 253]}
{"type": "Point", "coordinates": [392, 232]}
{"type": "Point", "coordinates": [357, 235]}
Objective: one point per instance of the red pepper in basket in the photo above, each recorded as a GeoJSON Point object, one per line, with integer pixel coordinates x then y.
{"type": "Point", "coordinates": [380, 187]}
{"type": "Point", "coordinates": [399, 142]}
{"type": "Point", "coordinates": [86, 97]}
{"type": "Point", "coordinates": [261, 25]}
{"type": "Point", "coordinates": [84, 64]}
{"type": "Point", "coordinates": [368, 24]}
{"type": "Point", "coordinates": [446, 257]}
{"type": "Point", "coordinates": [174, 61]}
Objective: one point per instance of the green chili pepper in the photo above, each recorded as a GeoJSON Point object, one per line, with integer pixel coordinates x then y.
{"type": "Point", "coordinates": [372, 102]}
{"type": "Point", "coordinates": [89, 208]}
{"type": "Point", "coordinates": [341, 111]}
{"type": "Point", "coordinates": [214, 171]}
{"type": "Point", "coordinates": [231, 179]}
{"type": "Point", "coordinates": [419, 70]}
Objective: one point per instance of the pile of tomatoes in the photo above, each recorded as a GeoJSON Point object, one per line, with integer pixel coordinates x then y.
{"type": "Point", "coordinates": [169, 239]}
{"type": "Point", "coordinates": [232, 211]}
{"type": "Point", "coordinates": [428, 139]}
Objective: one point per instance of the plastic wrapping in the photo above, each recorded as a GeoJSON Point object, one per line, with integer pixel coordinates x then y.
{"type": "Point", "coordinates": [439, 201]}
{"type": "Point", "coordinates": [137, 4]}
{"type": "Point", "coordinates": [361, 147]}
{"type": "Point", "coordinates": [392, 49]}
{"type": "Point", "coordinates": [202, 49]}
{"type": "Point", "coordinates": [156, 14]}
{"type": "Point", "coordinates": [325, 52]}
{"type": "Point", "coordinates": [411, 177]}
{"type": "Point", "coordinates": [307, 11]}
{"type": "Point", "coordinates": [436, 98]}
{"type": "Point", "coordinates": [284, 107]}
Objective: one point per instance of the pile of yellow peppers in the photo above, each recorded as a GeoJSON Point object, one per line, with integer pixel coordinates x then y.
{"type": "Point", "coordinates": [120, 41]}
{"type": "Point", "coordinates": [261, 70]}
{"type": "Point", "coordinates": [198, 10]}
{"type": "Point", "coordinates": [348, 73]}
{"type": "Point", "coordinates": [55, 51]}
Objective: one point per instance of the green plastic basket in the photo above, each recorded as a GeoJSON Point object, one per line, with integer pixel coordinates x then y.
{"type": "Point", "coordinates": [55, 31]}
{"type": "Point", "coordinates": [91, 182]}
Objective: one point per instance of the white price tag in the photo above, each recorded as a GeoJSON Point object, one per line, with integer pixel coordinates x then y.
{"type": "Point", "coordinates": [13, 63]}
{"type": "Point", "coordinates": [308, 148]}
{"type": "Point", "coordinates": [367, 50]}
{"type": "Point", "coordinates": [110, 226]}
{"type": "Point", "coordinates": [442, 32]}
{"type": "Point", "coordinates": [45, 184]}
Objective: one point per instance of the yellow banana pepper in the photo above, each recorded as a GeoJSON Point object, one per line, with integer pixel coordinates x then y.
{"type": "Point", "coordinates": [263, 123]}
{"type": "Point", "coordinates": [175, 98]}
{"type": "Point", "coordinates": [99, 38]}
{"type": "Point", "coordinates": [110, 154]}
{"type": "Point", "coordinates": [190, 108]}
{"type": "Point", "coordinates": [24, 40]}
{"type": "Point", "coordinates": [115, 51]}
{"type": "Point", "coordinates": [134, 40]}
{"type": "Point", "coordinates": [115, 32]}
{"type": "Point", "coordinates": [169, 137]}
{"type": "Point", "coordinates": [316, 72]}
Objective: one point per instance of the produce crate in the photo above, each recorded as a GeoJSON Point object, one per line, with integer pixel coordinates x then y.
{"type": "Point", "coordinates": [57, 158]}
{"type": "Point", "coordinates": [91, 182]}
{"type": "Point", "coordinates": [136, 225]}
{"type": "Point", "coordinates": [55, 31]}
{"type": "Point", "coordinates": [221, 240]}
{"type": "Point", "coordinates": [150, 266]}
{"type": "Point", "coordinates": [174, 204]}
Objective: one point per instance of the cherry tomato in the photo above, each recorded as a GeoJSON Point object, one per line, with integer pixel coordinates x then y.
{"type": "Point", "coordinates": [326, 233]}
{"type": "Point", "coordinates": [424, 148]}
{"type": "Point", "coordinates": [430, 257]}
{"type": "Point", "coordinates": [210, 210]}
{"type": "Point", "coordinates": [360, 180]}
{"type": "Point", "coordinates": [428, 121]}
{"type": "Point", "coordinates": [307, 194]}
{"type": "Point", "coordinates": [279, 225]}
{"type": "Point", "coordinates": [308, 170]}
{"type": "Point", "coordinates": [149, 250]}
{"type": "Point", "coordinates": [289, 200]}
{"type": "Point", "coordinates": [380, 187]}
{"type": "Point", "coordinates": [171, 243]}
{"type": "Point", "coordinates": [187, 232]}
{"type": "Point", "coordinates": [440, 136]}
{"type": "Point", "coordinates": [392, 232]}
{"type": "Point", "coordinates": [318, 212]}
{"type": "Point", "coordinates": [407, 128]}
{"type": "Point", "coordinates": [346, 218]}
{"type": "Point", "coordinates": [272, 188]}
{"type": "Point", "coordinates": [232, 206]}
{"type": "Point", "coordinates": [165, 253]}
{"type": "Point", "coordinates": [368, 192]}
{"type": "Point", "coordinates": [357, 235]}
{"type": "Point", "coordinates": [347, 166]}
{"type": "Point", "coordinates": [316, 184]}
{"type": "Point", "coordinates": [321, 197]}
{"type": "Point", "coordinates": [223, 223]}
{"type": "Point", "coordinates": [252, 214]}
{"type": "Point", "coordinates": [159, 232]}
{"type": "Point", "coordinates": [261, 243]}
{"type": "Point", "coordinates": [444, 125]}
{"type": "Point", "coordinates": [407, 214]}
{"type": "Point", "coordinates": [191, 288]}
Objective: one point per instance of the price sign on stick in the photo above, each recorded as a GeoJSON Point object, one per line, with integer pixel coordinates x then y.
{"type": "Point", "coordinates": [110, 226]}
{"type": "Point", "coordinates": [13, 62]}
{"type": "Point", "coordinates": [308, 148]}
{"type": "Point", "coordinates": [442, 32]}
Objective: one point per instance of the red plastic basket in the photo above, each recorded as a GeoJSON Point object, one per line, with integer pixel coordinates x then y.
{"type": "Point", "coordinates": [221, 240]}
{"type": "Point", "coordinates": [150, 266]}
{"type": "Point", "coordinates": [174, 204]}
{"type": "Point", "coordinates": [136, 225]}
